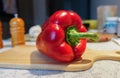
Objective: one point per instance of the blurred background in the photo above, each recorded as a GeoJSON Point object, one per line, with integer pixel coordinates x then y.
{"type": "Point", "coordinates": [35, 12]}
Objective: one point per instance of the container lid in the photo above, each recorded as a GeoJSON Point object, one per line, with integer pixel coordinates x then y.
{"type": "Point", "coordinates": [112, 19]}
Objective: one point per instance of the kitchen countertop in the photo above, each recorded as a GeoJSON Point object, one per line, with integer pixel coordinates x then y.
{"type": "Point", "coordinates": [100, 69]}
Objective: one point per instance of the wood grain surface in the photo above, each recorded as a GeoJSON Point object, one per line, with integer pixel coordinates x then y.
{"type": "Point", "coordinates": [28, 57]}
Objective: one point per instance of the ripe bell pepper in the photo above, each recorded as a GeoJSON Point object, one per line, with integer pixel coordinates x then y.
{"type": "Point", "coordinates": [63, 36]}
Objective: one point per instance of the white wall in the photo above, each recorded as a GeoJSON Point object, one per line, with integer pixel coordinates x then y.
{"type": "Point", "coordinates": [39, 11]}
{"type": "Point", "coordinates": [96, 3]}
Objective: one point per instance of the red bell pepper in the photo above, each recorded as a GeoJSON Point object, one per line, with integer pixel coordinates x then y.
{"type": "Point", "coordinates": [63, 36]}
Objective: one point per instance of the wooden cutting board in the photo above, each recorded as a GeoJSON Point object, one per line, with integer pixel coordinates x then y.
{"type": "Point", "coordinates": [28, 57]}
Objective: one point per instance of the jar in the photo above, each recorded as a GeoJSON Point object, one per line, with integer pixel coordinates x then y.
{"type": "Point", "coordinates": [111, 25]}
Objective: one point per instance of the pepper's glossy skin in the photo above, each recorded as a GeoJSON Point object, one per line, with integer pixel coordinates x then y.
{"type": "Point", "coordinates": [52, 41]}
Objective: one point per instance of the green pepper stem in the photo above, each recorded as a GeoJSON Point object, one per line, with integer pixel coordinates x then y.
{"type": "Point", "coordinates": [73, 36]}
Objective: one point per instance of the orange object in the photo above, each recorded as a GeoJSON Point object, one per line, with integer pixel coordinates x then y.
{"type": "Point", "coordinates": [17, 30]}
{"type": "Point", "coordinates": [1, 43]}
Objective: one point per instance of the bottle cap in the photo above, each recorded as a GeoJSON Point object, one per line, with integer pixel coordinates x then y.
{"type": "Point", "coordinates": [16, 15]}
